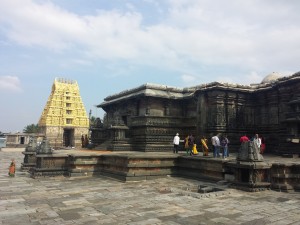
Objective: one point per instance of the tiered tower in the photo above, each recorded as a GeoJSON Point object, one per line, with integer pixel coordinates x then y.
{"type": "Point", "coordinates": [64, 119]}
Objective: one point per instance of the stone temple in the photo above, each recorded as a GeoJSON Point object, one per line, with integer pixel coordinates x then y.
{"type": "Point", "coordinates": [147, 117]}
{"type": "Point", "coordinates": [64, 117]}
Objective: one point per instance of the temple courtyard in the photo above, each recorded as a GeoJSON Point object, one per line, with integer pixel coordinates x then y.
{"type": "Point", "coordinates": [102, 200]}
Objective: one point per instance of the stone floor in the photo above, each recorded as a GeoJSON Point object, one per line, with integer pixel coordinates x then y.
{"type": "Point", "coordinates": [99, 200]}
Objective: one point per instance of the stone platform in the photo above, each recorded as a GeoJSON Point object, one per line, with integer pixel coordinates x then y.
{"type": "Point", "coordinates": [164, 201]}
{"type": "Point", "coordinates": [284, 173]}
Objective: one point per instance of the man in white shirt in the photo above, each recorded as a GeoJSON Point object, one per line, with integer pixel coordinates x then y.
{"type": "Point", "coordinates": [216, 146]}
{"type": "Point", "coordinates": [176, 143]}
{"type": "Point", "coordinates": [257, 141]}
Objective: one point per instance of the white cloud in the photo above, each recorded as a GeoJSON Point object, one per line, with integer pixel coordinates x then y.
{"type": "Point", "coordinates": [252, 36]}
{"type": "Point", "coordinates": [189, 79]}
{"type": "Point", "coordinates": [10, 83]}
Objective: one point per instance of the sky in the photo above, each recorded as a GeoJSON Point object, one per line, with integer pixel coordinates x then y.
{"type": "Point", "coordinates": [112, 46]}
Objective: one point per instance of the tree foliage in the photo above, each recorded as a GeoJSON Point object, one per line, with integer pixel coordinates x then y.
{"type": "Point", "coordinates": [32, 128]}
{"type": "Point", "coordinates": [92, 120]}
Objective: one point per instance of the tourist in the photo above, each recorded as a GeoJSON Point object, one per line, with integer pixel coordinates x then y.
{"type": "Point", "coordinates": [191, 142]}
{"type": "Point", "coordinates": [86, 141]}
{"type": "Point", "coordinates": [263, 145]}
{"type": "Point", "coordinates": [244, 139]}
{"type": "Point", "coordinates": [12, 168]}
{"type": "Point", "coordinates": [194, 150]}
{"type": "Point", "coordinates": [224, 144]}
{"type": "Point", "coordinates": [82, 141]}
{"type": "Point", "coordinates": [204, 146]}
{"type": "Point", "coordinates": [216, 145]}
{"type": "Point", "coordinates": [186, 144]}
{"type": "Point", "coordinates": [257, 141]}
{"type": "Point", "coordinates": [176, 141]}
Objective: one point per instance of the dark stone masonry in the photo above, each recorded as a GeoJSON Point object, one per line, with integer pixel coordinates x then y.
{"type": "Point", "coordinates": [147, 117]}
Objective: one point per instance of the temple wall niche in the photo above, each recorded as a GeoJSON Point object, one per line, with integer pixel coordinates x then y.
{"type": "Point", "coordinates": [175, 107]}
{"type": "Point", "coordinates": [157, 107]}
{"type": "Point", "coordinates": [191, 107]}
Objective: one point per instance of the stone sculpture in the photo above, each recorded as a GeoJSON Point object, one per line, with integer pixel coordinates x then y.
{"type": "Point", "coordinates": [249, 151]}
{"type": "Point", "coordinates": [44, 148]}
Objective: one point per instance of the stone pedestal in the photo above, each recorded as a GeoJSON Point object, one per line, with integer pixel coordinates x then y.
{"type": "Point", "coordinates": [251, 172]}
{"type": "Point", "coordinates": [44, 148]}
{"type": "Point", "coordinates": [29, 154]}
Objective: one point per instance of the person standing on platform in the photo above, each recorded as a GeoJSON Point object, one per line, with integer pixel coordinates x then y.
{"type": "Point", "coordinates": [257, 141]}
{"type": "Point", "coordinates": [263, 145]}
{"type": "Point", "coordinates": [216, 145]}
{"type": "Point", "coordinates": [191, 144]}
{"type": "Point", "coordinates": [186, 144]}
{"type": "Point", "coordinates": [204, 146]}
{"type": "Point", "coordinates": [194, 150]}
{"type": "Point", "coordinates": [86, 141]}
{"type": "Point", "coordinates": [176, 141]}
{"type": "Point", "coordinates": [224, 144]}
{"type": "Point", "coordinates": [82, 141]}
{"type": "Point", "coordinates": [244, 139]}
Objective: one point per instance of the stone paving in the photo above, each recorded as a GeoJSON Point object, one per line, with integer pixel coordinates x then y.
{"type": "Point", "coordinates": [100, 200]}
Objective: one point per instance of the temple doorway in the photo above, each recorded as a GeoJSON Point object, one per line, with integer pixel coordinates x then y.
{"type": "Point", "coordinates": [22, 140]}
{"type": "Point", "coordinates": [68, 138]}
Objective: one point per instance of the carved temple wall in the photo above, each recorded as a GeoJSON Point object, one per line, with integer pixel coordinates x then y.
{"type": "Point", "coordinates": [271, 110]}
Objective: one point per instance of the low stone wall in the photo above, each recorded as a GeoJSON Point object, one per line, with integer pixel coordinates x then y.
{"type": "Point", "coordinates": [132, 167]}
{"type": "Point", "coordinates": [285, 176]}
{"type": "Point", "coordinates": [200, 168]}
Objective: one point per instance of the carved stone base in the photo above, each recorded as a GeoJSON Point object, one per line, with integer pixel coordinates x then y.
{"type": "Point", "coordinates": [250, 176]}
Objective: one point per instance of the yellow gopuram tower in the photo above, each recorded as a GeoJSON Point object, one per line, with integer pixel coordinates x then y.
{"type": "Point", "coordinates": [64, 119]}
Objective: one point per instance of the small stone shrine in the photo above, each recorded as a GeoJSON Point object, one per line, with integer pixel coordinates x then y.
{"type": "Point", "coordinates": [44, 147]}
{"type": "Point", "coordinates": [29, 154]}
{"type": "Point", "coordinates": [251, 172]}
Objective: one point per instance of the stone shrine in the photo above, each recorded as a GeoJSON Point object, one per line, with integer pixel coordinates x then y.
{"type": "Point", "coordinates": [29, 154]}
{"type": "Point", "coordinates": [251, 172]}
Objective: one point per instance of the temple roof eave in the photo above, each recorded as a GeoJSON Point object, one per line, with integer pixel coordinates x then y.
{"type": "Point", "coordinates": [169, 92]}
{"type": "Point", "coordinates": [147, 93]}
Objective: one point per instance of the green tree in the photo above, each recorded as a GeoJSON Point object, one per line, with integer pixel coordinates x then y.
{"type": "Point", "coordinates": [92, 120]}
{"type": "Point", "coordinates": [32, 128]}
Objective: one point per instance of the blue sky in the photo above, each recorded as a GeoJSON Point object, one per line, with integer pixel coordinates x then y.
{"type": "Point", "coordinates": [110, 46]}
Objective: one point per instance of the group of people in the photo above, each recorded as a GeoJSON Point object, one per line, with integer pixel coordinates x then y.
{"type": "Point", "coordinates": [259, 141]}
{"type": "Point", "coordinates": [219, 143]}
{"type": "Point", "coordinates": [191, 147]}
{"type": "Point", "coordinates": [189, 144]}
